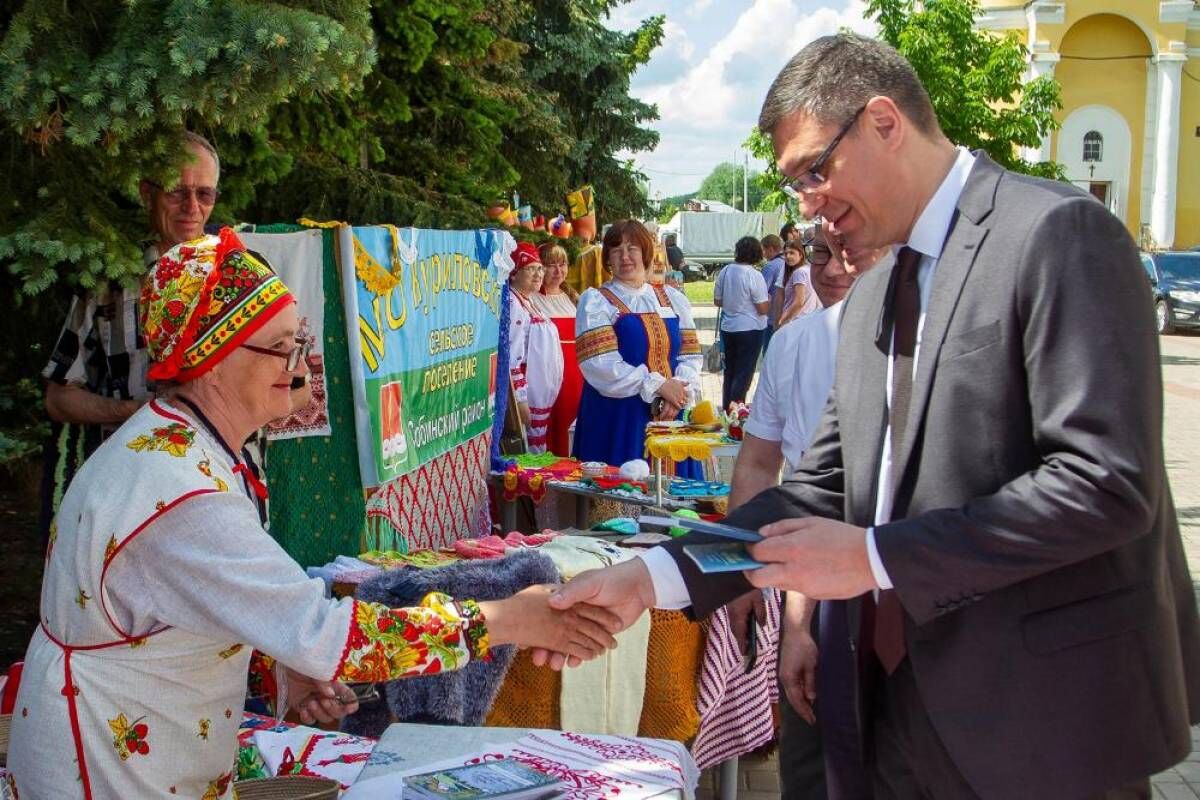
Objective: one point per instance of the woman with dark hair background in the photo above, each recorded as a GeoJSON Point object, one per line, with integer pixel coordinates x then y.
{"type": "Point", "coordinates": [741, 294]}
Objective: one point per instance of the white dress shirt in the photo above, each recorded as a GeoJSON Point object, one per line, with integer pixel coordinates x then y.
{"type": "Point", "coordinates": [794, 382]}
{"type": "Point", "coordinates": [927, 237]}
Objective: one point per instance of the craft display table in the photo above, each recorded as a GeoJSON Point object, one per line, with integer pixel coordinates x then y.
{"type": "Point", "coordinates": [583, 497]}
{"type": "Point", "coordinates": [705, 447]}
{"type": "Point", "coordinates": [405, 747]}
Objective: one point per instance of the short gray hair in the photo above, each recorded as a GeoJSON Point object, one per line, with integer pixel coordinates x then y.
{"type": "Point", "coordinates": [835, 76]}
{"type": "Point", "coordinates": [193, 138]}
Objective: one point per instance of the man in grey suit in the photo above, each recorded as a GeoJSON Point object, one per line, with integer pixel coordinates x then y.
{"type": "Point", "coordinates": [987, 488]}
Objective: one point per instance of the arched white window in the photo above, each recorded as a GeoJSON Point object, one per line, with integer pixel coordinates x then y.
{"type": "Point", "coordinates": [1093, 146]}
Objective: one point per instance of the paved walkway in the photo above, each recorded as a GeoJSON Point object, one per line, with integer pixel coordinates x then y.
{"type": "Point", "coordinates": [758, 777]}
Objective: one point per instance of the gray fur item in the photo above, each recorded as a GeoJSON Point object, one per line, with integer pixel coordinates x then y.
{"type": "Point", "coordinates": [461, 697]}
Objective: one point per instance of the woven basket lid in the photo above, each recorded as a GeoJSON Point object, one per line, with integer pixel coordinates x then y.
{"type": "Point", "coordinates": [287, 787]}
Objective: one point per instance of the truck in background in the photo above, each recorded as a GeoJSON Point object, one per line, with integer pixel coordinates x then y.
{"type": "Point", "coordinates": [707, 237]}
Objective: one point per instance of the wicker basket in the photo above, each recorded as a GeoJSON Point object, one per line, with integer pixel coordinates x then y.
{"type": "Point", "coordinates": [5, 724]}
{"type": "Point", "coordinates": [287, 787]}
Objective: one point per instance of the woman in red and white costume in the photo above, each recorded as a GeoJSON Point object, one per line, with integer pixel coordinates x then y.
{"type": "Point", "coordinates": [535, 359]}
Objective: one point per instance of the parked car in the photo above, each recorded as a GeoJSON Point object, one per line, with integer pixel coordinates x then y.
{"type": "Point", "coordinates": [693, 271]}
{"type": "Point", "coordinates": [1175, 282]}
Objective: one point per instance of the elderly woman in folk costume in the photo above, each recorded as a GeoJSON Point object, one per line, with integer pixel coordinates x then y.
{"type": "Point", "coordinates": [160, 579]}
{"type": "Point", "coordinates": [535, 353]}
{"type": "Point", "coordinates": [636, 344]}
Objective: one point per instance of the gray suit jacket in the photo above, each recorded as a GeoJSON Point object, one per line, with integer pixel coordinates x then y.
{"type": "Point", "coordinates": [1050, 617]}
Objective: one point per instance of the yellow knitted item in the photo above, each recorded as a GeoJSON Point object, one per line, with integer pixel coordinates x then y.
{"type": "Point", "coordinates": [703, 413]}
{"type": "Point", "coordinates": [672, 677]}
{"type": "Point", "coordinates": [678, 447]}
{"type": "Point", "coordinates": [529, 697]}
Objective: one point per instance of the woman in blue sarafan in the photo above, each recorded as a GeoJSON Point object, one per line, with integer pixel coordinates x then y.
{"type": "Point", "coordinates": [635, 342]}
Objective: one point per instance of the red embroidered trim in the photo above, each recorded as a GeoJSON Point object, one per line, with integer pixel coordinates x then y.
{"type": "Point", "coordinates": [595, 342]}
{"type": "Point", "coordinates": [349, 635]}
{"type": "Point", "coordinates": [612, 298]}
{"type": "Point", "coordinates": [658, 344]}
{"type": "Point", "coordinates": [136, 532]}
{"type": "Point", "coordinates": [689, 343]}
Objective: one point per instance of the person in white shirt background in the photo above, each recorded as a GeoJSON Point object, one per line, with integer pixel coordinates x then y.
{"type": "Point", "coordinates": [793, 384]}
{"type": "Point", "coordinates": [772, 269]}
{"type": "Point", "coordinates": [741, 294]}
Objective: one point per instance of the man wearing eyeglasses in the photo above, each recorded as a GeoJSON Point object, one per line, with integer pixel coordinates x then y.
{"type": "Point", "coordinates": [795, 379]}
{"type": "Point", "coordinates": [986, 490]}
{"type": "Point", "coordinates": [96, 376]}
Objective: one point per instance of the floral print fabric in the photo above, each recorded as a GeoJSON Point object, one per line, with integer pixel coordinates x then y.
{"type": "Point", "coordinates": [387, 643]}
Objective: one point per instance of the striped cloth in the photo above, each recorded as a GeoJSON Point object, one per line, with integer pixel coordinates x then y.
{"type": "Point", "coordinates": [735, 707]}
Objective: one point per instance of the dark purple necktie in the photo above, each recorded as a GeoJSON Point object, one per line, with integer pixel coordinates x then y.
{"type": "Point", "coordinates": [906, 309]}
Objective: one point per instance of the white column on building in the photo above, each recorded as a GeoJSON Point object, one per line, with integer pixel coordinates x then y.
{"type": "Point", "coordinates": [1041, 63]}
{"type": "Point", "coordinates": [1166, 147]}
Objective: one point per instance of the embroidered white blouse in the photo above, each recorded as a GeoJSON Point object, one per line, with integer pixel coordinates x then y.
{"type": "Point", "coordinates": [608, 372]}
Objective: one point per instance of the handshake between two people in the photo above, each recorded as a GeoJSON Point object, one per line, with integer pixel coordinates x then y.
{"type": "Point", "coordinates": [565, 625]}
{"type": "Point", "coordinates": [820, 558]}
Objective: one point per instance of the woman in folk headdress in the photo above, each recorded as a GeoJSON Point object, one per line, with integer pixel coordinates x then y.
{"type": "Point", "coordinates": [160, 579]}
{"type": "Point", "coordinates": [535, 353]}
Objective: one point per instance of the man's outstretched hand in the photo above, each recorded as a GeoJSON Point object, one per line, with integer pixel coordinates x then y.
{"type": "Point", "coordinates": [625, 590]}
{"type": "Point", "coordinates": [820, 558]}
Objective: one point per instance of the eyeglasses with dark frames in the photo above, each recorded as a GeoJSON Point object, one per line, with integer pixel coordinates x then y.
{"type": "Point", "coordinates": [292, 356]}
{"type": "Point", "coordinates": [818, 255]}
{"type": "Point", "coordinates": [814, 177]}
{"type": "Point", "coordinates": [205, 195]}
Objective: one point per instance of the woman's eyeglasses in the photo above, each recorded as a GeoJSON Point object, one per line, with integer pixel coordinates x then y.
{"type": "Point", "coordinates": [292, 356]}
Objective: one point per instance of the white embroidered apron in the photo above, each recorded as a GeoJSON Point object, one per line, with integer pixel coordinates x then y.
{"type": "Point", "coordinates": [100, 713]}
{"type": "Point", "coordinates": [544, 374]}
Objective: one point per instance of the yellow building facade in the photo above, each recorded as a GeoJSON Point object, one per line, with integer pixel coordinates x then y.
{"type": "Point", "coordinates": [1130, 122]}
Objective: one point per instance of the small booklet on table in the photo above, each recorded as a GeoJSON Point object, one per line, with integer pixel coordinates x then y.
{"type": "Point", "coordinates": [510, 780]}
{"type": "Point", "coordinates": [728, 556]}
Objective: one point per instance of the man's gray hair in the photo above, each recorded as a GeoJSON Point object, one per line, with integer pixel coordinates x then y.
{"type": "Point", "coordinates": [835, 76]}
{"type": "Point", "coordinates": [193, 138]}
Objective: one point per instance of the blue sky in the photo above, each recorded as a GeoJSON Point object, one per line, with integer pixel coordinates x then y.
{"type": "Point", "coordinates": [710, 74]}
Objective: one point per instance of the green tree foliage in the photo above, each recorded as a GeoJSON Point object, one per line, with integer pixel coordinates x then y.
{"type": "Point", "coordinates": [724, 184]}
{"type": "Point", "coordinates": [425, 140]}
{"type": "Point", "coordinates": [584, 68]}
{"type": "Point", "coordinates": [772, 197]}
{"type": "Point", "coordinates": [93, 97]}
{"type": "Point", "coordinates": [975, 78]}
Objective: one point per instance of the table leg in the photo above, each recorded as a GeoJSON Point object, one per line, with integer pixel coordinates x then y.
{"type": "Point", "coordinates": [583, 508]}
{"type": "Point", "coordinates": [728, 789]}
{"type": "Point", "coordinates": [658, 481]}
{"type": "Point", "coordinates": [508, 515]}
